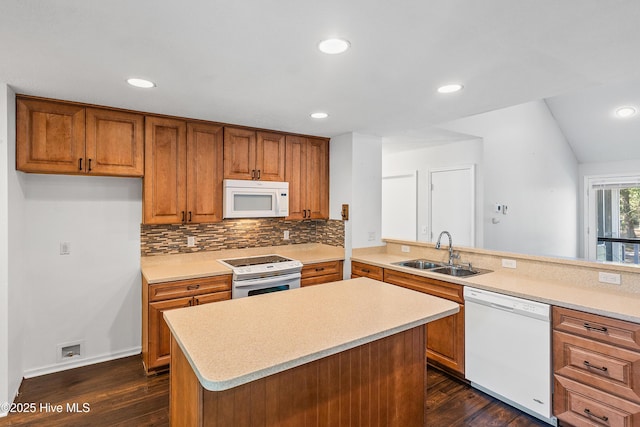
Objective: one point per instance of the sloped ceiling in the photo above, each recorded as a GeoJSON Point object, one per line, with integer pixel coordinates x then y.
{"type": "Point", "coordinates": [255, 62]}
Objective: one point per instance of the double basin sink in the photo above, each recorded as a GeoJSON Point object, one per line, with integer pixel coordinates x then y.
{"type": "Point", "coordinates": [436, 267]}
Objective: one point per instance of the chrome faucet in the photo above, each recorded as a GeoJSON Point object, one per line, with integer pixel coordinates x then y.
{"type": "Point", "coordinates": [451, 255]}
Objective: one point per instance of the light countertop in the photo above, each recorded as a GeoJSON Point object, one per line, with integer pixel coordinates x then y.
{"type": "Point", "coordinates": [603, 300]}
{"type": "Point", "coordinates": [167, 268]}
{"type": "Point", "coordinates": [233, 342]}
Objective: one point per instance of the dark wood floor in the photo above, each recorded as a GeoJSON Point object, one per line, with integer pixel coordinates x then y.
{"type": "Point", "coordinates": [118, 393]}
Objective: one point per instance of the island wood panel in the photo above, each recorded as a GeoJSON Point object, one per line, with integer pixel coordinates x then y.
{"type": "Point", "coordinates": [378, 383]}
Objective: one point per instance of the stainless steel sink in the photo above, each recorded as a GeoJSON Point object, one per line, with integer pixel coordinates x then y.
{"type": "Point", "coordinates": [438, 267]}
{"type": "Point", "coordinates": [455, 271]}
{"type": "Point", "coordinates": [422, 264]}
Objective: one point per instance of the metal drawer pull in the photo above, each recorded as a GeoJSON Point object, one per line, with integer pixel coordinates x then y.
{"type": "Point", "coordinates": [366, 271]}
{"type": "Point", "coordinates": [320, 269]}
{"type": "Point", "coordinates": [193, 287]}
{"type": "Point", "coordinates": [595, 328]}
{"type": "Point", "coordinates": [80, 164]}
{"type": "Point", "coordinates": [603, 417]}
{"type": "Point", "coordinates": [589, 365]}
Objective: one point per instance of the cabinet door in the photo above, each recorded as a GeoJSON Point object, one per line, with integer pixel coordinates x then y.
{"type": "Point", "coordinates": [114, 143]}
{"type": "Point", "coordinates": [165, 171]}
{"type": "Point", "coordinates": [49, 137]}
{"type": "Point", "coordinates": [204, 172]}
{"type": "Point", "coordinates": [270, 156]}
{"type": "Point", "coordinates": [296, 175]}
{"type": "Point", "coordinates": [159, 333]}
{"type": "Point", "coordinates": [317, 162]}
{"type": "Point", "coordinates": [209, 298]}
{"type": "Point", "coordinates": [239, 153]}
{"type": "Point", "coordinates": [445, 342]}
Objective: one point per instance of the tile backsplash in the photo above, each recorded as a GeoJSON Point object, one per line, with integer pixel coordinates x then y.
{"type": "Point", "coordinates": [237, 234]}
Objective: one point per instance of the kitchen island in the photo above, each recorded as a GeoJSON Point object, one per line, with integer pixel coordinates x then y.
{"type": "Point", "coordinates": [348, 353]}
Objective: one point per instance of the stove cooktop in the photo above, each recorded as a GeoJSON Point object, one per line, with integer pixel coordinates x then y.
{"type": "Point", "coordinates": [256, 260]}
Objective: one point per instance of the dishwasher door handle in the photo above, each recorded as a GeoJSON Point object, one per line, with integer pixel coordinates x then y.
{"type": "Point", "coordinates": [501, 307]}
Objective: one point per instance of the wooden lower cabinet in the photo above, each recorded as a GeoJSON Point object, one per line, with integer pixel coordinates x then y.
{"type": "Point", "coordinates": [359, 269]}
{"type": "Point", "coordinates": [160, 297]}
{"type": "Point", "coordinates": [596, 366]}
{"type": "Point", "coordinates": [322, 272]}
{"type": "Point", "coordinates": [445, 337]}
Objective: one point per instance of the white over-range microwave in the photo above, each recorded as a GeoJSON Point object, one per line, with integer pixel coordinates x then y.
{"type": "Point", "coordinates": [255, 199]}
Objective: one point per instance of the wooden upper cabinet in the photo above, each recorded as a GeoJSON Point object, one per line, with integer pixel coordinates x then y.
{"type": "Point", "coordinates": [253, 155]}
{"type": "Point", "coordinates": [318, 178]}
{"type": "Point", "coordinates": [307, 172]}
{"type": "Point", "coordinates": [183, 172]}
{"type": "Point", "coordinates": [49, 137]}
{"type": "Point", "coordinates": [165, 177]}
{"type": "Point", "coordinates": [239, 153]}
{"type": "Point", "coordinates": [204, 172]}
{"type": "Point", "coordinates": [270, 157]}
{"type": "Point", "coordinates": [67, 138]}
{"type": "Point", "coordinates": [114, 142]}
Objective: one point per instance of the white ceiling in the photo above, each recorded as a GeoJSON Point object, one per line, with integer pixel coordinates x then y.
{"type": "Point", "coordinates": [255, 62]}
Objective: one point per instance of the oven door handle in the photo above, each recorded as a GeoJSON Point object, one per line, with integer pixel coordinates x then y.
{"type": "Point", "coordinates": [266, 280]}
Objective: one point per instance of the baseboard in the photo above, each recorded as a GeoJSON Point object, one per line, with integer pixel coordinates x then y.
{"type": "Point", "coordinates": [77, 363]}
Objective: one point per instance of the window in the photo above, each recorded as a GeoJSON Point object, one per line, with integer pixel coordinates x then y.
{"type": "Point", "coordinates": [615, 218]}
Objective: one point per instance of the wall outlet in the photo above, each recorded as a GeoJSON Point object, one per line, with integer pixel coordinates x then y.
{"type": "Point", "coordinates": [405, 248]}
{"type": "Point", "coordinates": [65, 248]}
{"type": "Point", "coordinates": [286, 235]}
{"type": "Point", "coordinates": [191, 241]}
{"type": "Point", "coordinates": [372, 236]}
{"type": "Point", "coordinates": [612, 278]}
{"type": "Point", "coordinates": [509, 263]}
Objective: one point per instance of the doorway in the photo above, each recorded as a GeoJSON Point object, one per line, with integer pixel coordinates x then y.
{"type": "Point", "coordinates": [452, 203]}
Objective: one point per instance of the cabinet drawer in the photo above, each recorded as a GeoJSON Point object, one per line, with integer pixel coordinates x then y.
{"type": "Point", "coordinates": [614, 370]}
{"type": "Point", "coordinates": [446, 290]}
{"type": "Point", "coordinates": [191, 287]}
{"type": "Point", "coordinates": [317, 280]}
{"type": "Point", "coordinates": [579, 405]}
{"type": "Point", "coordinates": [605, 329]}
{"type": "Point", "coordinates": [359, 269]}
{"type": "Point", "coordinates": [321, 269]}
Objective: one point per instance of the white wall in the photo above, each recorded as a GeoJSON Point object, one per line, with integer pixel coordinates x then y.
{"type": "Point", "coordinates": [438, 156]}
{"type": "Point", "coordinates": [11, 254]}
{"type": "Point", "coordinates": [17, 264]}
{"type": "Point", "coordinates": [528, 166]}
{"type": "Point", "coordinates": [92, 295]}
{"type": "Point", "coordinates": [340, 187]}
{"type": "Point", "coordinates": [356, 180]}
{"type": "Point", "coordinates": [367, 190]}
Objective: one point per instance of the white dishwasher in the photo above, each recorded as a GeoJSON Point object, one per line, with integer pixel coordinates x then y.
{"type": "Point", "coordinates": [508, 350]}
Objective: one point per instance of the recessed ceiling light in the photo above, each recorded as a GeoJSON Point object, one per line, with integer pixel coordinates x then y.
{"type": "Point", "coordinates": [333, 46]}
{"type": "Point", "coordinates": [450, 88]}
{"type": "Point", "coordinates": [624, 112]}
{"type": "Point", "coordinates": [146, 84]}
{"type": "Point", "coordinates": [319, 115]}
